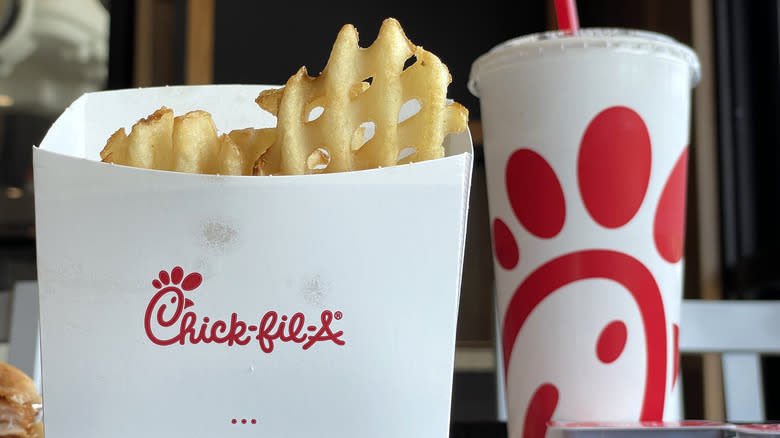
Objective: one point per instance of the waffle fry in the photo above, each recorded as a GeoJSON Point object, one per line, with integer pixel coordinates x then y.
{"type": "Point", "coordinates": [347, 118]}
{"type": "Point", "coordinates": [187, 143]}
{"type": "Point", "coordinates": [335, 141]}
{"type": "Point", "coordinates": [149, 144]}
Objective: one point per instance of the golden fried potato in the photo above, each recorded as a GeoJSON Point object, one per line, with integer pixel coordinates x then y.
{"type": "Point", "coordinates": [187, 143]}
{"type": "Point", "coordinates": [347, 118]}
{"type": "Point", "coordinates": [149, 144]}
{"type": "Point", "coordinates": [252, 144]}
{"type": "Point", "coordinates": [195, 144]}
{"type": "Point", "coordinates": [335, 140]}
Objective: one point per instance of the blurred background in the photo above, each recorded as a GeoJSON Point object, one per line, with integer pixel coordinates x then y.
{"type": "Point", "coordinates": [52, 51]}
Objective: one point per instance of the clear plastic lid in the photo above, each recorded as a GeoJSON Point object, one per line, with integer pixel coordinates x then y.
{"type": "Point", "coordinates": [528, 47]}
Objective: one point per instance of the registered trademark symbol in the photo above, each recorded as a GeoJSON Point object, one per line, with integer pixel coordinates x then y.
{"type": "Point", "coordinates": [338, 315]}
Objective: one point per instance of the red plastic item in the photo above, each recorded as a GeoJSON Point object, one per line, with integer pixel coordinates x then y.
{"type": "Point", "coordinates": [566, 11]}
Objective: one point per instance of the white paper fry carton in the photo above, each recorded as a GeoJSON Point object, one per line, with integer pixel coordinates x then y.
{"type": "Point", "coordinates": [199, 305]}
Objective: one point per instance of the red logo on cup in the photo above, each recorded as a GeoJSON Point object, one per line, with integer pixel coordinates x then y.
{"type": "Point", "coordinates": [168, 321]}
{"type": "Point", "coordinates": [612, 169]}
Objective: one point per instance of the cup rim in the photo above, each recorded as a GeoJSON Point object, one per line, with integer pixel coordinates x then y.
{"type": "Point", "coordinates": [557, 41]}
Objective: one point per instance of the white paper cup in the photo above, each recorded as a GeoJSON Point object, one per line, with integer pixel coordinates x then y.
{"type": "Point", "coordinates": [211, 306]}
{"type": "Point", "coordinates": [586, 141]}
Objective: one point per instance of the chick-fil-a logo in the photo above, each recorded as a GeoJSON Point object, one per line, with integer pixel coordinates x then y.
{"type": "Point", "coordinates": [169, 320]}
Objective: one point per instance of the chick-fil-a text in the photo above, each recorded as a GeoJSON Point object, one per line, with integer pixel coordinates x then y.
{"type": "Point", "coordinates": [170, 319]}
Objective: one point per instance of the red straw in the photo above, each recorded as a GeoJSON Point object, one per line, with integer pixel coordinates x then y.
{"type": "Point", "coordinates": [566, 11]}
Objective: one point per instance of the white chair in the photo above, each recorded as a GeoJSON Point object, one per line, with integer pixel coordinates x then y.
{"type": "Point", "coordinates": [20, 316]}
{"type": "Point", "coordinates": [741, 331]}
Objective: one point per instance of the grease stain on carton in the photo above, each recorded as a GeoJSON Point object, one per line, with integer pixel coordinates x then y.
{"type": "Point", "coordinates": [218, 235]}
{"type": "Point", "coordinates": [314, 290]}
